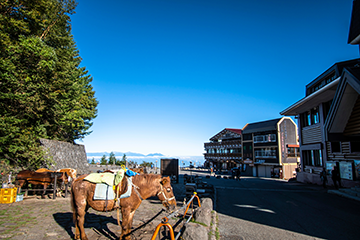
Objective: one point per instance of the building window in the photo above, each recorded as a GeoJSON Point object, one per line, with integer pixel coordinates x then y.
{"type": "Point", "coordinates": [335, 147]}
{"type": "Point", "coordinates": [247, 136]}
{"type": "Point", "coordinates": [293, 152]}
{"type": "Point", "coordinates": [355, 147]}
{"type": "Point", "coordinates": [315, 116]}
{"type": "Point", "coordinates": [265, 138]}
{"type": "Point", "coordinates": [312, 158]}
{"type": "Point", "coordinates": [310, 117]}
{"type": "Point", "coordinates": [321, 84]}
{"type": "Point", "coordinates": [265, 152]}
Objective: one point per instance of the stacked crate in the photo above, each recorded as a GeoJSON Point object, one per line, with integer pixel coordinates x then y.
{"type": "Point", "coordinates": [8, 195]}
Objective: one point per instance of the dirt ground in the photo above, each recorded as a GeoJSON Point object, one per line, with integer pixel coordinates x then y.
{"type": "Point", "coordinates": [36, 218]}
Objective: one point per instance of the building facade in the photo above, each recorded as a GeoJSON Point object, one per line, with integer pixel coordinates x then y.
{"type": "Point", "coordinates": [271, 148]}
{"type": "Point", "coordinates": [224, 149]}
{"type": "Point", "coordinates": [262, 149]}
{"type": "Point", "coordinates": [329, 124]}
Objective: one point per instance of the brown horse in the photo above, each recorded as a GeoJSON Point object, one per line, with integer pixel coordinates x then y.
{"type": "Point", "coordinates": [39, 178]}
{"type": "Point", "coordinates": [144, 186]}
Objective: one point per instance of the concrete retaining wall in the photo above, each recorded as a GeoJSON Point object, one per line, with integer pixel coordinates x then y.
{"type": "Point", "coordinates": [66, 155]}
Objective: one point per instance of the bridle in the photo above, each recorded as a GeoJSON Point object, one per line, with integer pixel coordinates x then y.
{"type": "Point", "coordinates": [166, 199]}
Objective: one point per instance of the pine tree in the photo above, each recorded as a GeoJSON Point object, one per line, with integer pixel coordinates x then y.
{"type": "Point", "coordinates": [44, 93]}
{"type": "Point", "coordinates": [112, 158]}
{"type": "Point", "coordinates": [103, 160]}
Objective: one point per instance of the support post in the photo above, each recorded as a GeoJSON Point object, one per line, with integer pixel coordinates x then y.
{"type": "Point", "coordinates": [54, 190]}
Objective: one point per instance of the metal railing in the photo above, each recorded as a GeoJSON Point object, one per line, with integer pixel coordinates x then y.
{"type": "Point", "coordinates": [165, 220]}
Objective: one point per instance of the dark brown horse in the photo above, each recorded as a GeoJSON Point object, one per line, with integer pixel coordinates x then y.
{"type": "Point", "coordinates": [144, 186]}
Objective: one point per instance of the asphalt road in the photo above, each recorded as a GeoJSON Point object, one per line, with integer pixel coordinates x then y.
{"type": "Point", "coordinates": [262, 208]}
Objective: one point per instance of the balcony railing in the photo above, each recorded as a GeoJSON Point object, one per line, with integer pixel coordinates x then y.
{"type": "Point", "coordinates": [236, 156]}
{"type": "Point", "coordinates": [265, 154]}
{"type": "Point", "coordinates": [225, 144]}
{"type": "Point", "coordinates": [265, 138]}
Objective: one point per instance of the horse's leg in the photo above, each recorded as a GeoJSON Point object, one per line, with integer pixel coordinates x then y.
{"type": "Point", "coordinates": [44, 191]}
{"type": "Point", "coordinates": [80, 220]}
{"type": "Point", "coordinates": [126, 224]}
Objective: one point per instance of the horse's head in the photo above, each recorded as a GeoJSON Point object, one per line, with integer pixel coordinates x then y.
{"type": "Point", "coordinates": [166, 195]}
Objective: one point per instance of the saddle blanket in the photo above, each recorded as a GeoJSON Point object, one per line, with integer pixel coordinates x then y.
{"type": "Point", "coordinates": [105, 192]}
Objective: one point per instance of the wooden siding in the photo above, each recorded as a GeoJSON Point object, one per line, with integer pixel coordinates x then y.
{"type": "Point", "coordinates": [345, 150]}
{"type": "Point", "coordinates": [353, 125]}
{"type": "Point", "coordinates": [311, 134]}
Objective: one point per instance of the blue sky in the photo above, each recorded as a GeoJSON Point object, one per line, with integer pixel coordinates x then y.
{"type": "Point", "coordinates": [170, 74]}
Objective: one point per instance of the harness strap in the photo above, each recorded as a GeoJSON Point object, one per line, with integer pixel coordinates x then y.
{"type": "Point", "coordinates": [162, 192]}
{"type": "Point", "coordinates": [136, 191]}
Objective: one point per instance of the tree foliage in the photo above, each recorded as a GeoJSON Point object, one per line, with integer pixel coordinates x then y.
{"type": "Point", "coordinates": [103, 160]}
{"type": "Point", "coordinates": [146, 164]}
{"type": "Point", "coordinates": [44, 93]}
{"type": "Point", "coordinates": [112, 158]}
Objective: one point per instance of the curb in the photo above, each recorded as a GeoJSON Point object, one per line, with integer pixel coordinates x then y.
{"type": "Point", "coordinates": [342, 194]}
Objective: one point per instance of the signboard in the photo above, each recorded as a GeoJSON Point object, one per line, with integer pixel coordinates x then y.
{"type": "Point", "coordinates": [346, 171]}
{"type": "Point", "coordinates": [260, 161]}
{"type": "Point", "coordinates": [357, 169]}
{"type": "Point", "coordinates": [329, 167]}
{"type": "Point", "coordinates": [248, 161]}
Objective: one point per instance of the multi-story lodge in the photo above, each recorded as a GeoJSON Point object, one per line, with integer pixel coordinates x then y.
{"type": "Point", "coordinates": [329, 124]}
{"type": "Point", "coordinates": [263, 149]}
{"type": "Point", "coordinates": [224, 149]}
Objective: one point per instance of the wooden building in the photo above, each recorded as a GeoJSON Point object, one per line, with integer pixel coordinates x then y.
{"type": "Point", "coordinates": [329, 124]}
{"type": "Point", "coordinates": [224, 149]}
{"type": "Point", "coordinates": [263, 149]}
{"type": "Point", "coordinates": [271, 148]}
{"type": "Point", "coordinates": [329, 118]}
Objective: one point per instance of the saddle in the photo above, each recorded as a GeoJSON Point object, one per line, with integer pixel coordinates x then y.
{"type": "Point", "coordinates": [106, 182]}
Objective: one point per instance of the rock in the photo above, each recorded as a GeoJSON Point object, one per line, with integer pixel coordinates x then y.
{"type": "Point", "coordinates": [194, 231]}
{"type": "Point", "coordinates": [203, 215]}
{"type": "Point", "coordinates": [207, 203]}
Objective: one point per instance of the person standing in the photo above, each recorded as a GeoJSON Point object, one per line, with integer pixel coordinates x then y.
{"type": "Point", "coordinates": [335, 176]}
{"type": "Point", "coordinates": [238, 174]}
{"type": "Point", "coordinates": [323, 177]}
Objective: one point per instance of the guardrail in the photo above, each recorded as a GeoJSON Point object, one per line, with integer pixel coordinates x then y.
{"type": "Point", "coordinates": [164, 221]}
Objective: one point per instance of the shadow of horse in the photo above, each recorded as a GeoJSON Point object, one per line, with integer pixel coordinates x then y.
{"type": "Point", "coordinates": [96, 222]}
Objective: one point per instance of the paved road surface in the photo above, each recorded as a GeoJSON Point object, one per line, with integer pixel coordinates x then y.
{"type": "Point", "coordinates": [256, 208]}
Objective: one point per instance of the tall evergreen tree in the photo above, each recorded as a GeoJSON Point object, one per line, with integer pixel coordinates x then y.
{"type": "Point", "coordinates": [44, 93]}
{"type": "Point", "coordinates": [112, 158]}
{"type": "Point", "coordinates": [103, 160]}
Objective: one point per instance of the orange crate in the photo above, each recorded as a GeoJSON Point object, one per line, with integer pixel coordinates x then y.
{"type": "Point", "coordinates": [7, 199]}
{"type": "Point", "coordinates": [8, 192]}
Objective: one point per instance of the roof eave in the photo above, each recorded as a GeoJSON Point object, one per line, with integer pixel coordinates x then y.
{"type": "Point", "coordinates": [292, 110]}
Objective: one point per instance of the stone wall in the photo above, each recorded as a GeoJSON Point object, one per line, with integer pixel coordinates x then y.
{"type": "Point", "coordinates": [66, 155]}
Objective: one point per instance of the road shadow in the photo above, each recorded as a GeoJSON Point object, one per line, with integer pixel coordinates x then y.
{"type": "Point", "coordinates": [292, 206]}
{"type": "Point", "coordinates": [97, 222]}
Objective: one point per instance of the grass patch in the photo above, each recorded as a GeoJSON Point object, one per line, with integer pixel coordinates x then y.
{"type": "Point", "coordinates": [193, 221]}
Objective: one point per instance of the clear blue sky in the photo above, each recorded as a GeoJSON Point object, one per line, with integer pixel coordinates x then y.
{"type": "Point", "coordinates": [170, 74]}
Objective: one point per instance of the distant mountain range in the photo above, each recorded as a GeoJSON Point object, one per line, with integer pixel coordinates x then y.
{"type": "Point", "coordinates": [120, 154]}
{"type": "Point", "coordinates": [152, 157]}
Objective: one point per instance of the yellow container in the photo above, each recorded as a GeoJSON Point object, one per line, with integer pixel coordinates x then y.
{"type": "Point", "coordinates": [7, 199]}
{"type": "Point", "coordinates": [8, 192]}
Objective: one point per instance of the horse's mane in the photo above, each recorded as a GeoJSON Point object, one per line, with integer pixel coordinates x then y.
{"type": "Point", "coordinates": [146, 179]}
